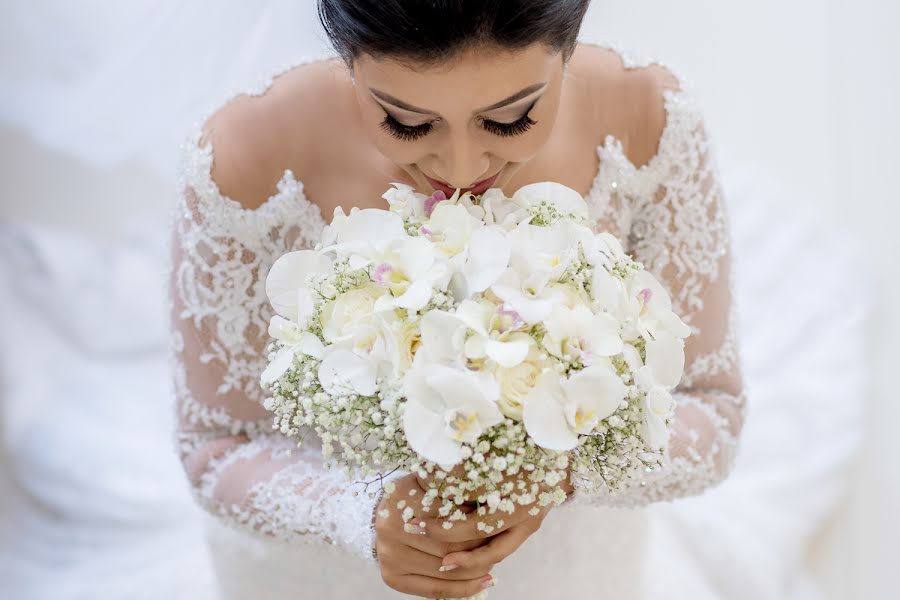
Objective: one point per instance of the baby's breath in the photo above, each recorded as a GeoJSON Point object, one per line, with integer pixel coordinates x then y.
{"type": "Point", "coordinates": [504, 469]}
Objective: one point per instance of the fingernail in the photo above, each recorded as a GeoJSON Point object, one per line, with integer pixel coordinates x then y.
{"type": "Point", "coordinates": [445, 568]}
{"type": "Point", "coordinates": [487, 583]}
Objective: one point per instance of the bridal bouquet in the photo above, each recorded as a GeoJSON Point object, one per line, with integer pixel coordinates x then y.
{"type": "Point", "coordinates": [491, 345]}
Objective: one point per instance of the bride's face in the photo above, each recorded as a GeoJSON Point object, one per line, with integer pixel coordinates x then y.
{"type": "Point", "coordinates": [481, 115]}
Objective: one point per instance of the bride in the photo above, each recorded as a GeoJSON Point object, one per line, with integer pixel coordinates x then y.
{"type": "Point", "coordinates": [439, 95]}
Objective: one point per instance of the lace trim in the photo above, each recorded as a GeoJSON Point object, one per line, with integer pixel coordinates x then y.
{"type": "Point", "coordinates": [606, 194]}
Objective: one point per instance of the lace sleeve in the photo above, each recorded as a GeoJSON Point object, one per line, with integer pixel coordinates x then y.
{"type": "Point", "coordinates": [679, 231]}
{"type": "Point", "coordinates": [239, 469]}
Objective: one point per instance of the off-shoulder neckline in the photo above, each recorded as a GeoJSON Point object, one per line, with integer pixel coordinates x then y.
{"type": "Point", "coordinates": [610, 153]}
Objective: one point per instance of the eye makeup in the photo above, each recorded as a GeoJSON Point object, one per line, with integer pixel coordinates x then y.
{"type": "Point", "coordinates": [415, 132]}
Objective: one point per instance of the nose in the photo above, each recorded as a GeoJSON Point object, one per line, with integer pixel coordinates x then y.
{"type": "Point", "coordinates": [466, 162]}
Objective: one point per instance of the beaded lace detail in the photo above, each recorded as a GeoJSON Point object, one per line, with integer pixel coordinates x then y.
{"type": "Point", "coordinates": [673, 211]}
{"type": "Point", "coordinates": [258, 480]}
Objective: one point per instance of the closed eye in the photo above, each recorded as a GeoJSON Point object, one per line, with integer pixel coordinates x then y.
{"type": "Point", "coordinates": [415, 132]}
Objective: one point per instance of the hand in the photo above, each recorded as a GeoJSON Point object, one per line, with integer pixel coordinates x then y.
{"type": "Point", "coordinates": [501, 542]}
{"type": "Point", "coordinates": [411, 562]}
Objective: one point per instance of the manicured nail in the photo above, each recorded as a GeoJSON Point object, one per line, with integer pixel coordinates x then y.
{"type": "Point", "coordinates": [445, 568]}
{"type": "Point", "coordinates": [489, 582]}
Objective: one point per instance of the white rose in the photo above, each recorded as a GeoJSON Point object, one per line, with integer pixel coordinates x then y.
{"type": "Point", "coordinates": [517, 382]}
{"type": "Point", "coordinates": [349, 312]}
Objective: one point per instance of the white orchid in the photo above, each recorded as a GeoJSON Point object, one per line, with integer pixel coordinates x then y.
{"type": "Point", "coordinates": [494, 208]}
{"type": "Point", "coordinates": [476, 254]}
{"type": "Point", "coordinates": [408, 269]}
{"type": "Point", "coordinates": [446, 408]}
{"type": "Point", "coordinates": [531, 296]}
{"type": "Point", "coordinates": [449, 228]}
{"type": "Point", "coordinates": [442, 337]}
{"type": "Point", "coordinates": [538, 258]}
{"type": "Point", "coordinates": [493, 333]}
{"type": "Point", "coordinates": [650, 302]}
{"type": "Point", "coordinates": [581, 334]}
{"type": "Point", "coordinates": [557, 410]}
{"type": "Point", "coordinates": [564, 199]}
{"type": "Point", "coordinates": [658, 407]}
{"type": "Point", "coordinates": [342, 372]}
{"type": "Point", "coordinates": [405, 201]}
{"type": "Point", "coordinates": [609, 293]}
{"type": "Point", "coordinates": [294, 340]}
{"type": "Point", "coordinates": [599, 248]}
{"type": "Point", "coordinates": [288, 280]}
{"type": "Point", "coordinates": [665, 358]}
{"type": "Point", "coordinates": [361, 233]}
{"type": "Point", "coordinates": [547, 251]}
{"type": "Point", "coordinates": [486, 259]}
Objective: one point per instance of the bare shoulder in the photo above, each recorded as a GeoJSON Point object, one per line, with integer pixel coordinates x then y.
{"type": "Point", "coordinates": [255, 138]}
{"type": "Point", "coordinates": [627, 102]}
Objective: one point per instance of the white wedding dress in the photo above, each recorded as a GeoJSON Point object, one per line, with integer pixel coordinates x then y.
{"type": "Point", "coordinates": [282, 526]}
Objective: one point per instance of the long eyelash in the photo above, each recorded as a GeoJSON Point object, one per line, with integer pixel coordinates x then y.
{"type": "Point", "coordinates": [413, 132]}
{"type": "Point", "coordinates": [404, 132]}
{"type": "Point", "coordinates": [515, 128]}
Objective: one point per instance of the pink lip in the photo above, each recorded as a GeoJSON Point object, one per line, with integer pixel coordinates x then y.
{"type": "Point", "coordinates": [479, 188]}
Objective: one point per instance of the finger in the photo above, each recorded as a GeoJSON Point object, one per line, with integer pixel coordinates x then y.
{"type": "Point", "coordinates": [496, 550]}
{"type": "Point", "coordinates": [409, 561]}
{"type": "Point", "coordinates": [414, 532]}
{"type": "Point", "coordinates": [431, 587]}
{"type": "Point", "coordinates": [438, 548]}
{"type": "Point", "coordinates": [462, 531]}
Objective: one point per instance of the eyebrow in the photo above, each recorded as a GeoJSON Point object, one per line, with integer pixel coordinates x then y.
{"type": "Point", "coordinates": [508, 100]}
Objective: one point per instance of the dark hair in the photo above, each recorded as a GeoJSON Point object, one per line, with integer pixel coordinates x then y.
{"type": "Point", "coordinates": [429, 32]}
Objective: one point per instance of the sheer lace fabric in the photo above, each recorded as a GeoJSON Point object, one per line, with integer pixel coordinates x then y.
{"type": "Point", "coordinates": [239, 469]}
{"type": "Point", "coordinates": [669, 212]}
{"type": "Point", "coordinates": [674, 213]}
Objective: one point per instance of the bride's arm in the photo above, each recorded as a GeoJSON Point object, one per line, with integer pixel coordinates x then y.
{"type": "Point", "coordinates": [679, 230]}
{"type": "Point", "coordinates": [239, 469]}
